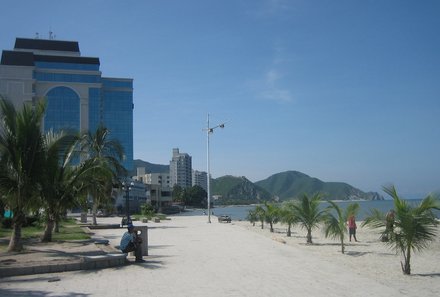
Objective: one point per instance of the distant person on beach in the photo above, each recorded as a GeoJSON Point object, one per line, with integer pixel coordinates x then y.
{"type": "Point", "coordinates": [389, 226]}
{"type": "Point", "coordinates": [130, 242]}
{"type": "Point", "coordinates": [352, 227]}
{"type": "Point", "coordinates": [390, 221]}
{"type": "Point", "coordinates": [8, 212]}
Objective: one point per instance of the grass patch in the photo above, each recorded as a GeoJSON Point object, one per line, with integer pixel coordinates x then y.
{"type": "Point", "coordinates": [139, 217]}
{"type": "Point", "coordinates": [69, 230]}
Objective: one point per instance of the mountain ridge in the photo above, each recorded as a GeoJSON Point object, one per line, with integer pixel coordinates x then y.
{"type": "Point", "coordinates": [279, 186]}
{"type": "Point", "coordinates": [292, 184]}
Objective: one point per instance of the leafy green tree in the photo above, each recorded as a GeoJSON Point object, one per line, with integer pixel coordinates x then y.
{"type": "Point", "coordinates": [252, 216]}
{"type": "Point", "coordinates": [335, 225]}
{"type": "Point", "coordinates": [21, 155]}
{"type": "Point", "coordinates": [414, 226]}
{"type": "Point", "coordinates": [272, 214]}
{"type": "Point", "coordinates": [106, 154]}
{"type": "Point", "coordinates": [260, 213]}
{"type": "Point", "coordinates": [196, 196]}
{"type": "Point", "coordinates": [287, 216]}
{"type": "Point", "coordinates": [178, 193]}
{"type": "Point", "coordinates": [147, 210]}
{"type": "Point", "coordinates": [309, 214]}
{"type": "Point", "coordinates": [54, 184]}
{"type": "Point", "coordinates": [62, 185]}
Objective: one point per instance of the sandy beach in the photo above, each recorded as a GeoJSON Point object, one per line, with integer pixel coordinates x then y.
{"type": "Point", "coordinates": [189, 257]}
{"type": "Point", "coordinates": [368, 259]}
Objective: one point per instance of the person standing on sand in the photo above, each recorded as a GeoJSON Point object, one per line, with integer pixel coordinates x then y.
{"type": "Point", "coordinates": [352, 227]}
{"type": "Point", "coordinates": [390, 221]}
{"type": "Point", "coordinates": [389, 226]}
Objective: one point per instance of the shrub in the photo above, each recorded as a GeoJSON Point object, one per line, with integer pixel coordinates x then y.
{"type": "Point", "coordinates": [6, 223]}
{"type": "Point", "coordinates": [147, 210]}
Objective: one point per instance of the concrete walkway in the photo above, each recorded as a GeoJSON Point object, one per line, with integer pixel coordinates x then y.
{"type": "Point", "coordinates": [60, 257]}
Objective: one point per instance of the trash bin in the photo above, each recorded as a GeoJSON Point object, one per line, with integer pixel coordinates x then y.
{"type": "Point", "coordinates": [142, 232]}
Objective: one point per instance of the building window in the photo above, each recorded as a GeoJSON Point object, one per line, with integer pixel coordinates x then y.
{"type": "Point", "coordinates": [63, 110]}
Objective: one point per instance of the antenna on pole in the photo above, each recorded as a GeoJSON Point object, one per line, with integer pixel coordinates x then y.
{"type": "Point", "coordinates": [52, 36]}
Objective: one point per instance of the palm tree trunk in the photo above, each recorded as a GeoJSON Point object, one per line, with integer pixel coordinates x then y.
{"type": "Point", "coordinates": [309, 236]}
{"type": "Point", "coordinates": [94, 210]}
{"type": "Point", "coordinates": [289, 230]}
{"type": "Point", "coordinates": [271, 227]}
{"type": "Point", "coordinates": [342, 246]}
{"type": "Point", "coordinates": [47, 235]}
{"type": "Point", "coordinates": [406, 267]}
{"type": "Point", "coordinates": [15, 244]}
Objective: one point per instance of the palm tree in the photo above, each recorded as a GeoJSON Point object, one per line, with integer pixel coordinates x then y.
{"type": "Point", "coordinates": [271, 214]}
{"type": "Point", "coordinates": [107, 154]}
{"type": "Point", "coordinates": [21, 155]}
{"type": "Point", "coordinates": [252, 217]}
{"type": "Point", "coordinates": [334, 226]}
{"type": "Point", "coordinates": [61, 182]}
{"type": "Point", "coordinates": [261, 215]}
{"type": "Point", "coordinates": [288, 217]}
{"type": "Point", "coordinates": [309, 214]}
{"type": "Point", "coordinates": [414, 226]}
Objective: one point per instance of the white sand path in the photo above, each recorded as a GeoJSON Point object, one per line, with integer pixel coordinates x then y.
{"type": "Point", "coordinates": [189, 257]}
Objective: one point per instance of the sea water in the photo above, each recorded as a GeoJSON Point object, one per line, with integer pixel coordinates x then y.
{"type": "Point", "coordinates": [365, 207]}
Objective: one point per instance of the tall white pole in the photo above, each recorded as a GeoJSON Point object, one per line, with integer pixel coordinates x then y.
{"type": "Point", "coordinates": [208, 131]}
{"type": "Point", "coordinates": [209, 172]}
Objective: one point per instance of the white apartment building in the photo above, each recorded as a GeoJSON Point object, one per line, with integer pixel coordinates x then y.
{"type": "Point", "coordinates": [181, 169]}
{"type": "Point", "coordinates": [200, 178]}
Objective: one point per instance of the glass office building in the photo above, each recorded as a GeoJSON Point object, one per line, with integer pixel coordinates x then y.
{"type": "Point", "coordinates": [78, 96]}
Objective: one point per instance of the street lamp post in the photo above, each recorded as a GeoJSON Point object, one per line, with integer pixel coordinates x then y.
{"type": "Point", "coordinates": [127, 188]}
{"type": "Point", "coordinates": [210, 130]}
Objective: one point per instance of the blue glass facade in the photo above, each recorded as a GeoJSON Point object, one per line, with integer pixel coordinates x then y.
{"type": "Point", "coordinates": [78, 97]}
{"type": "Point", "coordinates": [63, 110]}
{"type": "Point", "coordinates": [67, 77]}
{"type": "Point", "coordinates": [78, 100]}
{"type": "Point", "coordinates": [117, 108]}
{"type": "Point", "coordinates": [95, 110]}
{"type": "Point", "coordinates": [71, 66]}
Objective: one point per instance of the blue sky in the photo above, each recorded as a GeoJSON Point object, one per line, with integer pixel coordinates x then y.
{"type": "Point", "coordinates": [343, 91]}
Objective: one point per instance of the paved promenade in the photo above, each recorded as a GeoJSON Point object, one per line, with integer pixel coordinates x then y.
{"type": "Point", "coordinates": [189, 257]}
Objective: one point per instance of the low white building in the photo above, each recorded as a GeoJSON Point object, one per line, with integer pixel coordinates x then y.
{"type": "Point", "coordinates": [158, 187]}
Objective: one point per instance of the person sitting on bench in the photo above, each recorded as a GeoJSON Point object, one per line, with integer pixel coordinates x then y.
{"type": "Point", "coordinates": [130, 242]}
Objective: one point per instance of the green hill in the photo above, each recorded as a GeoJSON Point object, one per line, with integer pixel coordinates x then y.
{"type": "Point", "coordinates": [284, 185]}
{"type": "Point", "coordinates": [237, 190]}
{"type": "Point", "coordinates": [149, 167]}
{"type": "Point", "coordinates": [293, 184]}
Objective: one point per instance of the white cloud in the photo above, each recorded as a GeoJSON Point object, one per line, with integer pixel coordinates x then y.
{"type": "Point", "coordinates": [270, 89]}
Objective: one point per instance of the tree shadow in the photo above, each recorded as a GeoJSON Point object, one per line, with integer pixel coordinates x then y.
{"type": "Point", "coordinates": [427, 274]}
{"type": "Point", "coordinates": [166, 227]}
{"type": "Point", "coordinates": [356, 254]}
{"type": "Point", "coordinates": [36, 293]}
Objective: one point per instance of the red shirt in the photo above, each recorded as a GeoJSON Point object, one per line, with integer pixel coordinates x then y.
{"type": "Point", "coordinates": [351, 222]}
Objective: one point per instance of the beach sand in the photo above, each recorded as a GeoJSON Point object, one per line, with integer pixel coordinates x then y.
{"type": "Point", "coordinates": [190, 257]}
{"type": "Point", "coordinates": [369, 258]}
